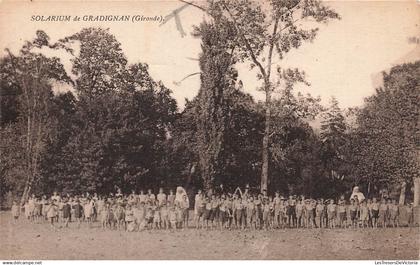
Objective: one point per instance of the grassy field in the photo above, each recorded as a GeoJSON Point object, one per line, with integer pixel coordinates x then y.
{"type": "Point", "coordinates": [39, 241]}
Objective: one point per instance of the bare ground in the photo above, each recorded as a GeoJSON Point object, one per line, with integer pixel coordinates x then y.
{"type": "Point", "coordinates": [39, 242]}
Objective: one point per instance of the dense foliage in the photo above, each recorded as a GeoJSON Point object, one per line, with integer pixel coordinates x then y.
{"type": "Point", "coordinates": [118, 127]}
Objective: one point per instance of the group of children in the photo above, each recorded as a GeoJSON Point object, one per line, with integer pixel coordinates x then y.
{"type": "Point", "coordinates": [137, 212]}
{"type": "Point", "coordinates": [132, 212]}
{"type": "Point", "coordinates": [260, 211]}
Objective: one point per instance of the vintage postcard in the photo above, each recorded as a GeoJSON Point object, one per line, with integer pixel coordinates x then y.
{"type": "Point", "coordinates": [210, 130]}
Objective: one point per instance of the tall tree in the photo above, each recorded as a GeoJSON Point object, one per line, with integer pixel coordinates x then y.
{"type": "Point", "coordinates": [217, 75]}
{"type": "Point", "coordinates": [267, 31]}
{"type": "Point", "coordinates": [388, 131]}
{"type": "Point", "coordinates": [121, 119]}
{"type": "Point", "coordinates": [32, 74]}
{"type": "Point", "coordinates": [333, 136]}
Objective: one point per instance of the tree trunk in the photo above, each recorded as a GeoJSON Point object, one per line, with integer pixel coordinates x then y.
{"type": "Point", "coordinates": [266, 139]}
{"type": "Point", "coordinates": [416, 182]}
{"type": "Point", "coordinates": [402, 192]}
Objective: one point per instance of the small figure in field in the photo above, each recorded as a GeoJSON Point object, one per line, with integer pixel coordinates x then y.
{"type": "Point", "coordinates": [266, 214]}
{"type": "Point", "coordinates": [78, 212]}
{"type": "Point", "coordinates": [171, 198]}
{"type": "Point", "coordinates": [342, 212]}
{"type": "Point", "coordinates": [161, 197]}
{"type": "Point", "coordinates": [250, 213]}
{"type": "Point", "coordinates": [37, 210]}
{"type": "Point", "coordinates": [120, 217]}
{"type": "Point", "coordinates": [353, 209]}
{"type": "Point", "coordinates": [309, 207]}
{"type": "Point", "coordinates": [156, 217]}
{"type": "Point", "coordinates": [283, 212]}
{"type": "Point", "coordinates": [332, 213]}
{"type": "Point", "coordinates": [66, 212]}
{"type": "Point", "coordinates": [222, 212]}
{"type": "Point", "coordinates": [388, 213]}
{"type": "Point", "coordinates": [15, 211]}
{"type": "Point", "coordinates": [299, 214]}
{"type": "Point", "coordinates": [150, 196]}
{"type": "Point", "coordinates": [149, 215]}
{"type": "Point", "coordinates": [240, 215]}
{"type": "Point", "coordinates": [394, 212]}
{"type": "Point", "coordinates": [164, 216]}
{"type": "Point", "coordinates": [383, 213]}
{"type": "Point", "coordinates": [179, 215]}
{"type": "Point", "coordinates": [87, 211]}
{"type": "Point", "coordinates": [259, 209]}
{"type": "Point", "coordinates": [320, 213]}
{"type": "Point", "coordinates": [410, 215]}
{"type": "Point", "coordinates": [271, 213]}
{"type": "Point", "coordinates": [291, 211]}
{"type": "Point", "coordinates": [364, 215]}
{"type": "Point", "coordinates": [199, 208]}
{"type": "Point", "coordinates": [172, 217]}
{"type": "Point", "coordinates": [140, 216]}
{"type": "Point", "coordinates": [104, 216]}
{"type": "Point", "coordinates": [142, 197]}
{"type": "Point", "coordinates": [129, 218]}
{"type": "Point", "coordinates": [375, 213]}
{"type": "Point", "coordinates": [52, 213]}
{"type": "Point", "coordinates": [277, 205]}
{"type": "Point", "coordinates": [44, 203]}
{"type": "Point", "coordinates": [185, 206]}
{"type": "Point", "coordinates": [207, 212]}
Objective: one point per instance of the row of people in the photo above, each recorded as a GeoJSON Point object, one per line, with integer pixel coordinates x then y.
{"type": "Point", "coordinates": [224, 211]}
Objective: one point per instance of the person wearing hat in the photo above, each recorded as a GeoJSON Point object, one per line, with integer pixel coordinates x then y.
{"type": "Point", "coordinates": [356, 194]}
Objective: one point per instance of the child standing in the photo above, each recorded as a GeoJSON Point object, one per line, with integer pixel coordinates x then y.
{"type": "Point", "coordinates": [161, 197]}
{"type": "Point", "coordinates": [15, 211]}
{"type": "Point", "coordinates": [332, 213]}
{"type": "Point", "coordinates": [52, 213]}
{"type": "Point", "coordinates": [375, 213]}
{"type": "Point", "coordinates": [299, 212]}
{"type": "Point", "coordinates": [66, 212]}
{"type": "Point", "coordinates": [164, 216]}
{"type": "Point", "coordinates": [364, 214]}
{"type": "Point", "coordinates": [410, 215]}
{"type": "Point", "coordinates": [250, 213]}
{"type": "Point", "coordinates": [342, 211]}
{"type": "Point", "coordinates": [394, 213]}
{"type": "Point", "coordinates": [310, 213]}
{"type": "Point", "coordinates": [277, 202]}
{"type": "Point", "coordinates": [383, 213]}
{"type": "Point", "coordinates": [78, 212]}
{"type": "Point", "coordinates": [129, 219]}
{"type": "Point", "coordinates": [320, 213]}
{"type": "Point", "coordinates": [172, 217]}
{"type": "Point", "coordinates": [266, 214]}
{"type": "Point", "coordinates": [353, 209]}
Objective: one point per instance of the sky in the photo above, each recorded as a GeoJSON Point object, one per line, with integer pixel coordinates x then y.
{"type": "Point", "coordinates": [344, 60]}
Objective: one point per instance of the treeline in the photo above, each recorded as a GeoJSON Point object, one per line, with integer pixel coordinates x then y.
{"type": "Point", "coordinates": [118, 127]}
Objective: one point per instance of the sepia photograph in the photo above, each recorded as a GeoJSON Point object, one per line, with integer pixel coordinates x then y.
{"type": "Point", "coordinates": [210, 130]}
